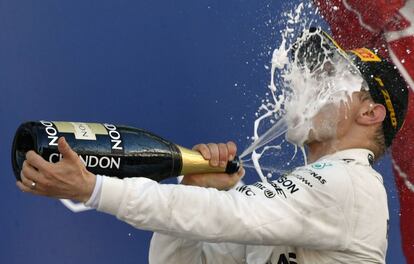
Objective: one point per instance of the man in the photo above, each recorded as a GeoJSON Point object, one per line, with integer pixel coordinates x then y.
{"type": "Point", "coordinates": [333, 210]}
{"type": "Point", "coordinates": [389, 27]}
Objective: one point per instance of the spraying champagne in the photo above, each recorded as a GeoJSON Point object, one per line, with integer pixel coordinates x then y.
{"type": "Point", "coordinates": [112, 150]}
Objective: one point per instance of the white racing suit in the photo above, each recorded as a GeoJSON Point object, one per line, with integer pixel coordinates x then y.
{"type": "Point", "coordinates": [332, 211]}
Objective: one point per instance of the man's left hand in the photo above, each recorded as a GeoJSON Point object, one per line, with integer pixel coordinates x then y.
{"type": "Point", "coordinates": [68, 178]}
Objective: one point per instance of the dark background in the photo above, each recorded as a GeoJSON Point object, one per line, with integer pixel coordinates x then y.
{"type": "Point", "coordinates": [191, 71]}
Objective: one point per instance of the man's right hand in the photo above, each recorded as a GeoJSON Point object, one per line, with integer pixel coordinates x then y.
{"type": "Point", "coordinates": [218, 155]}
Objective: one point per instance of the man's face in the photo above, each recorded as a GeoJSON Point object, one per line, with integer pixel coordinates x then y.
{"type": "Point", "coordinates": [325, 123]}
{"type": "Point", "coordinates": [332, 121]}
{"type": "Point", "coordinates": [319, 99]}
{"type": "Point", "coordinates": [320, 127]}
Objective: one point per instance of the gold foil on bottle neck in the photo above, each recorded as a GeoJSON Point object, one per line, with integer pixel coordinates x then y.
{"type": "Point", "coordinates": [194, 163]}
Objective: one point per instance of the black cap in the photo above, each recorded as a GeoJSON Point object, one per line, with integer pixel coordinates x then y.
{"type": "Point", "coordinates": [386, 85]}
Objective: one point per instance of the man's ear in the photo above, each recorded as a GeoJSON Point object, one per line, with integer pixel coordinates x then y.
{"type": "Point", "coordinates": [371, 113]}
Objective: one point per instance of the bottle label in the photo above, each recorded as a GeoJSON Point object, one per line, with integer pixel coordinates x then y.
{"type": "Point", "coordinates": [83, 131]}
{"type": "Point", "coordinates": [116, 141]}
{"type": "Point", "coordinates": [52, 133]}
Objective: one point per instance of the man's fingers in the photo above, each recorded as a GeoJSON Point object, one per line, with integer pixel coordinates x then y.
{"type": "Point", "coordinates": [29, 172]}
{"type": "Point", "coordinates": [204, 150]}
{"type": "Point", "coordinates": [36, 161]}
{"type": "Point", "coordinates": [28, 189]}
{"type": "Point", "coordinates": [241, 173]}
{"type": "Point", "coordinates": [66, 150]}
{"type": "Point", "coordinates": [232, 150]}
{"type": "Point", "coordinates": [215, 156]}
{"type": "Point", "coordinates": [26, 181]}
{"type": "Point", "coordinates": [218, 154]}
{"type": "Point", "coordinates": [223, 154]}
{"type": "Point", "coordinates": [22, 187]}
{"type": "Point", "coordinates": [28, 184]}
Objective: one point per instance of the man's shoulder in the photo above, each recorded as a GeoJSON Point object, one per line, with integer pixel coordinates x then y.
{"type": "Point", "coordinates": [327, 175]}
{"type": "Point", "coordinates": [326, 168]}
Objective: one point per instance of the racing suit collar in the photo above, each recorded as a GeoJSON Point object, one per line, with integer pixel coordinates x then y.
{"type": "Point", "coordinates": [357, 155]}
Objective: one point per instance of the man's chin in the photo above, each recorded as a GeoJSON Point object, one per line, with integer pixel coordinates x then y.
{"type": "Point", "coordinates": [296, 138]}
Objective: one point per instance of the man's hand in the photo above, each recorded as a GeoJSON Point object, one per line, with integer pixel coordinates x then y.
{"type": "Point", "coordinates": [218, 155]}
{"type": "Point", "coordinates": [68, 178]}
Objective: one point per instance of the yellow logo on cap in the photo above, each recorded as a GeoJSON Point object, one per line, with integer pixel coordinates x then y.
{"type": "Point", "coordinates": [366, 55]}
{"type": "Point", "coordinates": [388, 102]}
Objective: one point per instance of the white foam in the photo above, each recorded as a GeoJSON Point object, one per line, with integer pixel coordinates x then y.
{"type": "Point", "coordinates": [299, 95]}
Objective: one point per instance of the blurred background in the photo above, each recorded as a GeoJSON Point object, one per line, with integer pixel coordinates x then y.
{"type": "Point", "coordinates": [190, 71]}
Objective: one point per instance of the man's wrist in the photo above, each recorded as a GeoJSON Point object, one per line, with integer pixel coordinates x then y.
{"type": "Point", "coordinates": [95, 197]}
{"type": "Point", "coordinates": [89, 186]}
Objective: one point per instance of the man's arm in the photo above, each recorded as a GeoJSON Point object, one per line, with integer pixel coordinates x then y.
{"type": "Point", "coordinates": [288, 213]}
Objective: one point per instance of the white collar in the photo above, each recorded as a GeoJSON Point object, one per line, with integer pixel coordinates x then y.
{"type": "Point", "coordinates": [358, 155]}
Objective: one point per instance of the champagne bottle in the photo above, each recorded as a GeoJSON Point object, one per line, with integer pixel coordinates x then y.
{"type": "Point", "coordinates": [112, 150]}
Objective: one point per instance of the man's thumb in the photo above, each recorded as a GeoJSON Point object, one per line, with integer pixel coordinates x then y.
{"type": "Point", "coordinates": [66, 150]}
